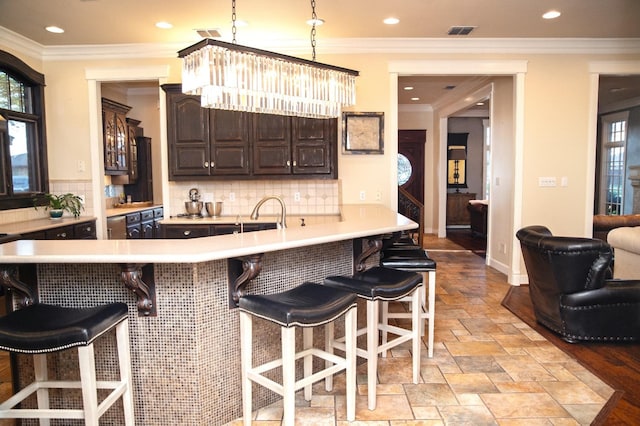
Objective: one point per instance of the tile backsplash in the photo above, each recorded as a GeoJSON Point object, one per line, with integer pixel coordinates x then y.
{"type": "Point", "coordinates": [77, 187]}
{"type": "Point", "coordinates": [308, 197]}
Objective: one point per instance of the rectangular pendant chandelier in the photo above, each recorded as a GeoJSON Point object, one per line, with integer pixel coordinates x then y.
{"type": "Point", "coordinates": [239, 78]}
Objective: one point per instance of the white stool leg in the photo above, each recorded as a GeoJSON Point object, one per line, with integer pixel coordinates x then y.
{"type": "Point", "coordinates": [432, 311]}
{"type": "Point", "coordinates": [246, 364]}
{"type": "Point", "coordinates": [124, 360]}
{"type": "Point", "coordinates": [41, 375]}
{"type": "Point", "coordinates": [89, 386]}
{"type": "Point", "coordinates": [307, 343]}
{"type": "Point", "coordinates": [416, 314]}
{"type": "Point", "coordinates": [329, 335]}
{"type": "Point", "coordinates": [372, 351]}
{"type": "Point", "coordinates": [288, 375]}
{"type": "Point", "coordinates": [384, 319]}
{"type": "Point", "coordinates": [350, 328]}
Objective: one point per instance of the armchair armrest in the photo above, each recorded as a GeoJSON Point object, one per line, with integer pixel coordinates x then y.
{"type": "Point", "coordinates": [614, 292]}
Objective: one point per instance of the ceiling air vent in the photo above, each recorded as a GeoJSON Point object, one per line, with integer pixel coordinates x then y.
{"type": "Point", "coordinates": [460, 30]}
{"type": "Point", "coordinates": [208, 33]}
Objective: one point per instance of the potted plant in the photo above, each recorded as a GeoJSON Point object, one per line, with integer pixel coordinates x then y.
{"type": "Point", "coordinates": [58, 204]}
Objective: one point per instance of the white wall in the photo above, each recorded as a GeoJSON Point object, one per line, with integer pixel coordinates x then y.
{"type": "Point", "coordinates": [556, 123]}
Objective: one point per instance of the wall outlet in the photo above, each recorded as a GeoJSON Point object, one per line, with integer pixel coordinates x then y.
{"type": "Point", "coordinates": [232, 196]}
{"type": "Point", "coordinates": [547, 181]}
{"type": "Point", "coordinates": [363, 195]}
{"type": "Point", "coordinates": [82, 166]}
{"type": "Point", "coordinates": [378, 195]}
{"type": "Point", "coordinates": [502, 248]}
{"type": "Point", "coordinates": [296, 196]}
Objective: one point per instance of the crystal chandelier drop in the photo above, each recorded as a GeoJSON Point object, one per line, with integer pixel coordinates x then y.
{"type": "Point", "coordinates": [233, 77]}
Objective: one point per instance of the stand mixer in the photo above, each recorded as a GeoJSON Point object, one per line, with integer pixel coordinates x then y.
{"type": "Point", "coordinates": [194, 207]}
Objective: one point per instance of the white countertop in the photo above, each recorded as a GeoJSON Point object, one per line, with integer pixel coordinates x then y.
{"type": "Point", "coordinates": [42, 224]}
{"type": "Point", "coordinates": [357, 221]}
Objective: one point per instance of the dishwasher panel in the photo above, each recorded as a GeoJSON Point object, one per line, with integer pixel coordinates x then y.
{"type": "Point", "coordinates": [117, 228]}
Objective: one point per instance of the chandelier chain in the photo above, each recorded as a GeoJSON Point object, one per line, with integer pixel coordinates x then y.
{"type": "Point", "coordinates": [314, 19]}
{"type": "Point", "coordinates": [233, 21]}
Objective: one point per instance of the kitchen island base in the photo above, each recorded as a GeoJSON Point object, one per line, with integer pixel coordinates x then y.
{"type": "Point", "coordinates": [186, 359]}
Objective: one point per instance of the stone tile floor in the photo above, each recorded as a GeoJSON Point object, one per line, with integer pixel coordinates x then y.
{"type": "Point", "coordinates": [488, 368]}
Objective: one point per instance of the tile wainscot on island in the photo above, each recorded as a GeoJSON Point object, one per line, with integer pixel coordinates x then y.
{"type": "Point", "coordinates": [183, 326]}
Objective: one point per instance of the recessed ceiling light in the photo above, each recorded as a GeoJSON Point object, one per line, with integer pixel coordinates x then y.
{"type": "Point", "coordinates": [391, 21]}
{"type": "Point", "coordinates": [408, 88]}
{"type": "Point", "coordinates": [479, 103]}
{"type": "Point", "coordinates": [164, 25]}
{"type": "Point", "coordinates": [552, 14]}
{"type": "Point", "coordinates": [317, 22]}
{"type": "Point", "coordinates": [54, 29]}
{"type": "Point", "coordinates": [415, 99]}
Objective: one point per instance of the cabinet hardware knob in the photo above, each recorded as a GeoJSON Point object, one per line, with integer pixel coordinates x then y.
{"type": "Point", "coordinates": [288, 163]}
{"type": "Point", "coordinates": [295, 163]}
{"type": "Point", "coordinates": [213, 164]}
{"type": "Point", "coordinates": [206, 164]}
{"type": "Point", "coordinates": [186, 233]}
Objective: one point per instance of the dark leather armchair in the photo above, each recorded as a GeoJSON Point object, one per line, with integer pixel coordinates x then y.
{"type": "Point", "coordinates": [571, 289]}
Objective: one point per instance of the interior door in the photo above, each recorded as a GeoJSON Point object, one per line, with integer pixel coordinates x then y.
{"type": "Point", "coordinates": [411, 145]}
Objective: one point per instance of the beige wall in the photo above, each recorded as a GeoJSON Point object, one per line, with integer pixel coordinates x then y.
{"type": "Point", "coordinates": [555, 133]}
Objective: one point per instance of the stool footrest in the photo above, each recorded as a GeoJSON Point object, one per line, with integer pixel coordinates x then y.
{"type": "Point", "coordinates": [8, 412]}
{"type": "Point", "coordinates": [255, 374]}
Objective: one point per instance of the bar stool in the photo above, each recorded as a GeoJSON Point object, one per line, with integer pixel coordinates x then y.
{"type": "Point", "coordinates": [39, 329]}
{"type": "Point", "coordinates": [308, 305]}
{"type": "Point", "coordinates": [374, 285]}
{"type": "Point", "coordinates": [414, 259]}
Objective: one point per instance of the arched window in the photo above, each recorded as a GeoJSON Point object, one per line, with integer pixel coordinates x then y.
{"type": "Point", "coordinates": [23, 153]}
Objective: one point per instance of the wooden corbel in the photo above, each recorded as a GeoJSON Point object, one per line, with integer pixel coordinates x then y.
{"type": "Point", "coordinates": [9, 280]}
{"type": "Point", "coordinates": [241, 270]}
{"type": "Point", "coordinates": [145, 291]}
{"type": "Point", "coordinates": [360, 255]}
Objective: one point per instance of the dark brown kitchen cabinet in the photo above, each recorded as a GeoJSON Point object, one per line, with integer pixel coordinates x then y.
{"type": "Point", "coordinates": [288, 146]}
{"type": "Point", "coordinates": [134, 228]}
{"type": "Point", "coordinates": [132, 153]}
{"type": "Point", "coordinates": [208, 143]}
{"type": "Point", "coordinates": [175, 232]}
{"type": "Point", "coordinates": [183, 231]}
{"type": "Point", "coordinates": [271, 144]}
{"type": "Point", "coordinates": [80, 231]}
{"type": "Point", "coordinates": [313, 146]}
{"type": "Point", "coordinates": [115, 134]}
{"type": "Point", "coordinates": [85, 231]}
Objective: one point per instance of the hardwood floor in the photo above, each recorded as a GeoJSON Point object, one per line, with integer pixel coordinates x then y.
{"type": "Point", "coordinates": [618, 365]}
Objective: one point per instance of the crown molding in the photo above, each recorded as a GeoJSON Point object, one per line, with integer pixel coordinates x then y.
{"type": "Point", "coordinates": [335, 46]}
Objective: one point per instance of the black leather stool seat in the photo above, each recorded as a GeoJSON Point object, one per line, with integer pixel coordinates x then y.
{"type": "Point", "coordinates": [307, 305]}
{"type": "Point", "coordinates": [378, 283]}
{"type": "Point", "coordinates": [407, 259]}
{"type": "Point", "coordinates": [44, 328]}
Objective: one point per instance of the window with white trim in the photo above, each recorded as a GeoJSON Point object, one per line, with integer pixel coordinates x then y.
{"type": "Point", "coordinates": [613, 168]}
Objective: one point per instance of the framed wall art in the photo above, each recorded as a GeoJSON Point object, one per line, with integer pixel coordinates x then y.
{"type": "Point", "coordinates": [363, 132]}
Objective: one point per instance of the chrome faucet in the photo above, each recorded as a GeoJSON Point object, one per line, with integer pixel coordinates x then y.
{"type": "Point", "coordinates": [283, 216]}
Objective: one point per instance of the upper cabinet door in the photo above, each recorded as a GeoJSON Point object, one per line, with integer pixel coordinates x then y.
{"type": "Point", "coordinates": [313, 146]}
{"type": "Point", "coordinates": [115, 135]}
{"type": "Point", "coordinates": [271, 144]}
{"type": "Point", "coordinates": [188, 133]}
{"type": "Point", "coordinates": [229, 140]}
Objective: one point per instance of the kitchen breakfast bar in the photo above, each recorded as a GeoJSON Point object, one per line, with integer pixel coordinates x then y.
{"type": "Point", "coordinates": [184, 329]}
